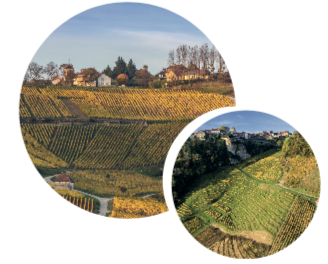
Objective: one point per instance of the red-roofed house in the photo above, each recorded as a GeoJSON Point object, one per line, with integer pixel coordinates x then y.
{"type": "Point", "coordinates": [64, 182]}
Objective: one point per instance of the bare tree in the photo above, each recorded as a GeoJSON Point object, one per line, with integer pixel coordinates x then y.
{"type": "Point", "coordinates": [184, 55]}
{"type": "Point", "coordinates": [35, 71]}
{"type": "Point", "coordinates": [26, 77]}
{"type": "Point", "coordinates": [212, 58]}
{"type": "Point", "coordinates": [203, 57]}
{"type": "Point", "coordinates": [221, 65]}
{"type": "Point", "coordinates": [178, 55]}
{"type": "Point", "coordinates": [51, 70]}
{"type": "Point", "coordinates": [170, 60]}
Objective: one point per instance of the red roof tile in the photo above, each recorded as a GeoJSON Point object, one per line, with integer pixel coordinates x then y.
{"type": "Point", "coordinates": [64, 178]}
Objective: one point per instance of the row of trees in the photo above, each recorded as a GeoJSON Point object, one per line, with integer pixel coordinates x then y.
{"type": "Point", "coordinates": [128, 74]}
{"type": "Point", "coordinates": [203, 57]}
{"type": "Point", "coordinates": [36, 71]}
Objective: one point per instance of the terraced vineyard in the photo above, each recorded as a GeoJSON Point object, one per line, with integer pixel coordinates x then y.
{"type": "Point", "coordinates": [238, 213]}
{"type": "Point", "coordinates": [118, 103]}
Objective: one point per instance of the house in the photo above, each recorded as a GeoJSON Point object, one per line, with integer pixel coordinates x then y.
{"type": "Point", "coordinates": [195, 74]}
{"type": "Point", "coordinates": [175, 72]}
{"type": "Point", "coordinates": [200, 134]}
{"type": "Point", "coordinates": [56, 80]}
{"type": "Point", "coordinates": [81, 80]}
{"type": "Point", "coordinates": [103, 80]}
{"type": "Point", "coordinates": [217, 131]}
{"type": "Point", "coordinates": [64, 182]}
{"type": "Point", "coordinates": [162, 74]}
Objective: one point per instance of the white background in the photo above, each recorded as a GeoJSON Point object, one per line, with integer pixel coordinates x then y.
{"type": "Point", "coordinates": [277, 55]}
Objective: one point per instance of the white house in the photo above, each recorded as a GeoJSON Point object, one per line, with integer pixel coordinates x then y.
{"type": "Point", "coordinates": [103, 80]}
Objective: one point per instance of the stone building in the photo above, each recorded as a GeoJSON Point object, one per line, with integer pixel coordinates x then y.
{"type": "Point", "coordinates": [69, 74]}
{"type": "Point", "coordinates": [63, 182]}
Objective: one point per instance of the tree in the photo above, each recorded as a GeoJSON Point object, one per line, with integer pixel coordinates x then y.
{"type": "Point", "coordinates": [26, 77]}
{"type": "Point", "coordinates": [170, 60]}
{"type": "Point", "coordinates": [131, 69]}
{"type": "Point", "coordinates": [212, 58]}
{"type": "Point", "coordinates": [122, 79]}
{"type": "Point", "coordinates": [51, 70]}
{"type": "Point", "coordinates": [222, 66]}
{"type": "Point", "coordinates": [35, 71]}
{"type": "Point", "coordinates": [225, 128]}
{"type": "Point", "coordinates": [280, 143]}
{"type": "Point", "coordinates": [203, 56]}
{"type": "Point", "coordinates": [91, 74]}
{"type": "Point", "coordinates": [120, 67]}
{"type": "Point", "coordinates": [61, 69]}
{"type": "Point", "coordinates": [142, 77]}
{"type": "Point", "coordinates": [108, 71]}
{"type": "Point", "coordinates": [178, 55]}
{"type": "Point", "coordinates": [296, 145]}
{"type": "Point", "coordinates": [184, 55]}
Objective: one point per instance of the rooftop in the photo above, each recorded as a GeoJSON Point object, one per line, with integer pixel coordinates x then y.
{"type": "Point", "coordinates": [64, 178]}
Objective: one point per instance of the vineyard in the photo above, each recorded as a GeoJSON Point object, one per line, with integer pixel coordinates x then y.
{"type": "Point", "coordinates": [123, 161]}
{"type": "Point", "coordinates": [267, 169]}
{"type": "Point", "coordinates": [121, 183]}
{"type": "Point", "coordinates": [298, 219]}
{"type": "Point", "coordinates": [137, 207]}
{"type": "Point", "coordinates": [119, 103]}
{"type": "Point", "coordinates": [239, 213]}
{"type": "Point", "coordinates": [40, 156]}
{"type": "Point", "coordinates": [106, 147]}
{"type": "Point", "coordinates": [89, 204]}
{"type": "Point", "coordinates": [303, 172]}
{"type": "Point", "coordinates": [231, 246]}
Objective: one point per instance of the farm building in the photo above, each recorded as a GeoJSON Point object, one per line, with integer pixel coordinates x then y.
{"type": "Point", "coordinates": [64, 182]}
{"type": "Point", "coordinates": [103, 80]}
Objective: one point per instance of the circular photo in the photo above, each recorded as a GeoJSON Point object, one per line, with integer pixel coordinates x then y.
{"type": "Point", "coordinates": [104, 98]}
{"type": "Point", "coordinates": [246, 184]}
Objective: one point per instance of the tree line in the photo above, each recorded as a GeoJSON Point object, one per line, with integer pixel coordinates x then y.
{"type": "Point", "coordinates": [296, 145]}
{"type": "Point", "coordinates": [197, 157]}
{"type": "Point", "coordinates": [128, 74]}
{"type": "Point", "coordinates": [203, 57]}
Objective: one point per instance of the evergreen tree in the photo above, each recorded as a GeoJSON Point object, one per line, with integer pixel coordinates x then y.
{"type": "Point", "coordinates": [108, 71]}
{"type": "Point", "coordinates": [131, 69]}
{"type": "Point", "coordinates": [119, 68]}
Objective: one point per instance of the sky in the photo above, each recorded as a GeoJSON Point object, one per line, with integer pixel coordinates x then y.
{"type": "Point", "coordinates": [248, 121]}
{"type": "Point", "coordinates": [96, 37]}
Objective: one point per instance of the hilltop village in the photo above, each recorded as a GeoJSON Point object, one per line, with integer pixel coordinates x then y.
{"type": "Point", "coordinates": [233, 134]}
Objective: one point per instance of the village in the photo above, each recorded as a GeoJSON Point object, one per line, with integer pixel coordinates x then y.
{"type": "Point", "coordinates": [185, 66]}
{"type": "Point", "coordinates": [233, 134]}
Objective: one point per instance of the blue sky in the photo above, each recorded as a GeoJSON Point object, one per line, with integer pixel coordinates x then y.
{"type": "Point", "coordinates": [248, 121]}
{"type": "Point", "coordinates": [96, 37]}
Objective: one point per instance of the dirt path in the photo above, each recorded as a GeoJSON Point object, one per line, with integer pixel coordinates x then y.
{"type": "Point", "coordinates": [103, 201]}
{"type": "Point", "coordinates": [74, 109]}
{"type": "Point", "coordinates": [296, 191]}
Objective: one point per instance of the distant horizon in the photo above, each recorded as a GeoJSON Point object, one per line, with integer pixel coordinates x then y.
{"type": "Point", "coordinates": [96, 37]}
{"type": "Point", "coordinates": [248, 121]}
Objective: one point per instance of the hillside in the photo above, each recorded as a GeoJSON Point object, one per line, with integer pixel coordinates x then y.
{"type": "Point", "coordinates": [118, 103]}
{"type": "Point", "coordinates": [239, 211]}
{"type": "Point", "coordinates": [106, 147]}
